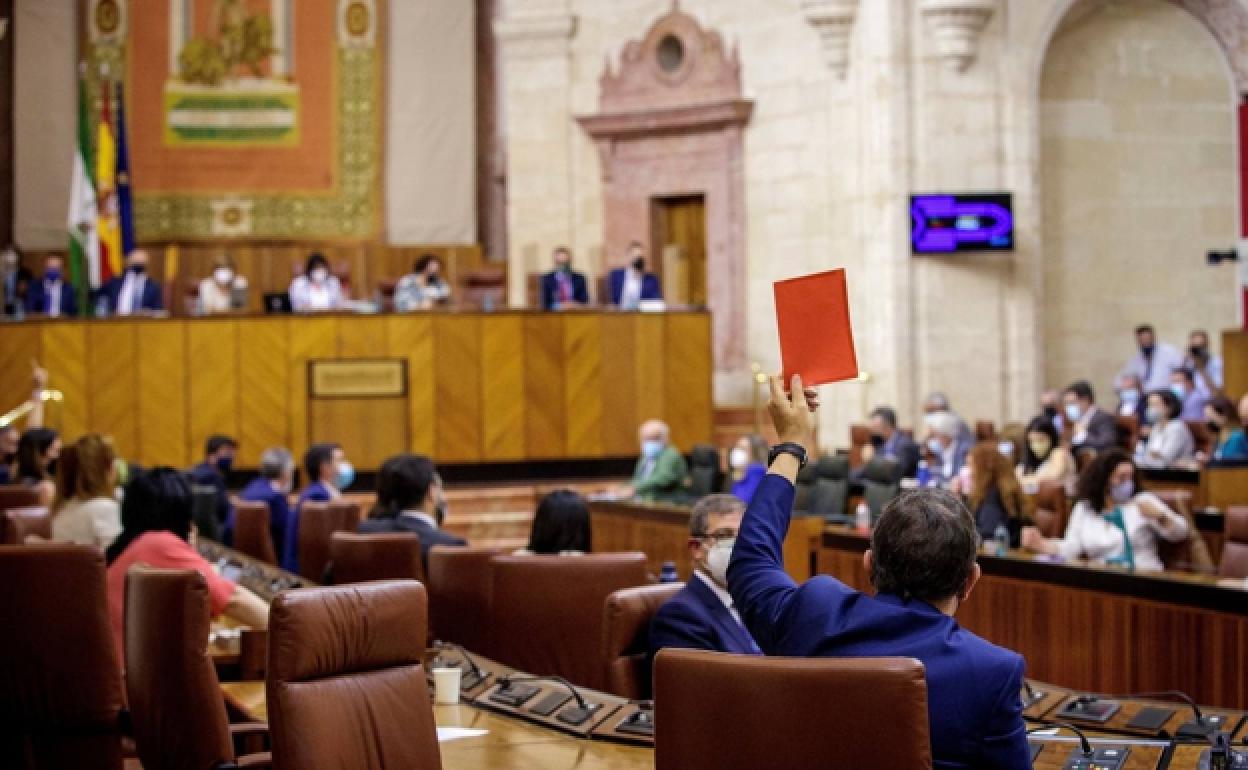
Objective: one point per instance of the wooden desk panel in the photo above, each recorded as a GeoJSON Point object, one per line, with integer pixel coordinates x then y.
{"type": "Point", "coordinates": [506, 386]}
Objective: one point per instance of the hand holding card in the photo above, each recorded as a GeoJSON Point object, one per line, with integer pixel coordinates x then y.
{"type": "Point", "coordinates": [816, 336]}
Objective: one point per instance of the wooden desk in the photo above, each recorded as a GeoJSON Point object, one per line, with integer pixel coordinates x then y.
{"type": "Point", "coordinates": [481, 387]}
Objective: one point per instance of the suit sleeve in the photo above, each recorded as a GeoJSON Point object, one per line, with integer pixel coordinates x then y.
{"type": "Point", "coordinates": [670, 472]}
{"type": "Point", "coordinates": [1005, 738]}
{"type": "Point", "coordinates": [908, 457]}
{"type": "Point", "coordinates": [672, 627]}
{"type": "Point", "coordinates": [548, 294]}
{"type": "Point", "coordinates": [582, 289]}
{"type": "Point", "coordinates": [762, 591]}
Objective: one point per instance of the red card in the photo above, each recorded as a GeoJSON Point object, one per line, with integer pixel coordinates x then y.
{"type": "Point", "coordinates": [816, 338]}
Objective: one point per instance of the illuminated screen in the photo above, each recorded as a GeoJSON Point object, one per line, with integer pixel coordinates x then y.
{"type": "Point", "coordinates": [946, 224]}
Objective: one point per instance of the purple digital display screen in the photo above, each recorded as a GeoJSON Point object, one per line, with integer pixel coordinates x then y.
{"type": "Point", "coordinates": [947, 224]}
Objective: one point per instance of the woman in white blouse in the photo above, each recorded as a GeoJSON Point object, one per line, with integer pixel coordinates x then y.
{"type": "Point", "coordinates": [1113, 521]}
{"type": "Point", "coordinates": [216, 293]}
{"type": "Point", "coordinates": [1169, 440]}
{"type": "Point", "coordinates": [86, 510]}
{"type": "Point", "coordinates": [316, 290]}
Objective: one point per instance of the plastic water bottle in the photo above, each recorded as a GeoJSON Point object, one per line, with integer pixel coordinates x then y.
{"type": "Point", "coordinates": [667, 574]}
{"type": "Point", "coordinates": [862, 518]}
{"type": "Point", "coordinates": [924, 475]}
{"type": "Point", "coordinates": [1002, 538]}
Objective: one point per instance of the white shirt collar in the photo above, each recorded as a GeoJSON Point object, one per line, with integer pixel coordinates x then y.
{"type": "Point", "coordinates": [420, 516]}
{"type": "Point", "coordinates": [716, 588]}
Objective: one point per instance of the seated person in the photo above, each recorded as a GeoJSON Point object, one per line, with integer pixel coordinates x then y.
{"type": "Point", "coordinates": [995, 498]}
{"type": "Point", "coordinates": [216, 292]}
{"type": "Point", "coordinates": [889, 443]}
{"type": "Point", "coordinates": [1170, 441]}
{"type": "Point", "coordinates": [1044, 458]}
{"type": "Point", "coordinates": [1131, 401]}
{"type": "Point", "coordinates": [631, 285]}
{"type": "Point", "coordinates": [86, 510]}
{"type": "Point", "coordinates": [939, 402]}
{"type": "Point", "coordinates": [1050, 407]}
{"type": "Point", "coordinates": [563, 287]}
{"type": "Point", "coordinates": [560, 526]}
{"type": "Point", "coordinates": [52, 295]}
{"type": "Point", "coordinates": [1114, 520]}
{"type": "Point", "coordinates": [15, 282]}
{"type": "Point", "coordinates": [156, 531]}
{"type": "Point", "coordinates": [661, 471]}
{"type": "Point", "coordinates": [747, 464]}
{"type": "Point", "coordinates": [133, 293]}
{"type": "Point", "coordinates": [1090, 428]}
{"type": "Point", "coordinates": [946, 451]}
{"type": "Point", "coordinates": [410, 499]}
{"type": "Point", "coordinates": [10, 436]}
{"type": "Point", "coordinates": [1206, 367]}
{"type": "Point", "coordinates": [317, 290]}
{"type": "Point", "coordinates": [219, 454]}
{"type": "Point", "coordinates": [37, 453]}
{"type": "Point", "coordinates": [1193, 399]}
{"type": "Point", "coordinates": [1230, 443]}
{"type": "Point", "coordinates": [701, 616]}
{"type": "Point", "coordinates": [422, 288]}
{"type": "Point", "coordinates": [272, 487]}
{"type": "Point", "coordinates": [922, 565]}
{"type": "Point", "coordinates": [329, 474]}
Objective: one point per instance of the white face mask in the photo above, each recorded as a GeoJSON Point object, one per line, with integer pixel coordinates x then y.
{"type": "Point", "coordinates": [717, 561]}
{"type": "Point", "coordinates": [738, 458]}
{"type": "Point", "coordinates": [320, 275]}
{"type": "Point", "coordinates": [223, 276]}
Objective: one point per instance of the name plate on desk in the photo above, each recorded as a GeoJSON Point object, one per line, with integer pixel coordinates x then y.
{"type": "Point", "coordinates": [357, 379]}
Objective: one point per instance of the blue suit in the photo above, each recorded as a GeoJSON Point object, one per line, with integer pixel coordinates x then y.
{"type": "Point", "coordinates": [151, 299]}
{"type": "Point", "coordinates": [650, 288]}
{"type": "Point", "coordinates": [260, 490]}
{"type": "Point", "coordinates": [972, 686]}
{"type": "Point", "coordinates": [550, 290]}
{"type": "Point", "coordinates": [696, 619]}
{"type": "Point", "coordinates": [37, 299]}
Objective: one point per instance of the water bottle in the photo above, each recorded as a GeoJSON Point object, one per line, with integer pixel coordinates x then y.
{"type": "Point", "coordinates": [101, 307]}
{"type": "Point", "coordinates": [1002, 538]}
{"type": "Point", "coordinates": [667, 574]}
{"type": "Point", "coordinates": [862, 518]}
{"type": "Point", "coordinates": [924, 475]}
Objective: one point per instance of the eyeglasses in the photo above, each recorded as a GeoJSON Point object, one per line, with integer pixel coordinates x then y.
{"type": "Point", "coordinates": [715, 538]}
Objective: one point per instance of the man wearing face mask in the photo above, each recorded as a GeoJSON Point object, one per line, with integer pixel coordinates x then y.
{"type": "Point", "coordinates": [410, 498]}
{"type": "Point", "coordinates": [1154, 360]}
{"type": "Point", "coordinates": [563, 287]}
{"type": "Point", "coordinates": [889, 443]}
{"type": "Point", "coordinates": [1205, 366]}
{"type": "Point", "coordinates": [1091, 428]}
{"type": "Point", "coordinates": [329, 474]}
{"type": "Point", "coordinates": [661, 471]}
{"type": "Point", "coordinates": [133, 293]}
{"type": "Point", "coordinates": [219, 454]}
{"type": "Point", "coordinates": [272, 487]}
{"type": "Point", "coordinates": [1190, 395]}
{"type": "Point", "coordinates": [702, 615]}
{"type": "Point", "coordinates": [947, 452]}
{"type": "Point", "coordinates": [52, 295]}
{"type": "Point", "coordinates": [631, 285]}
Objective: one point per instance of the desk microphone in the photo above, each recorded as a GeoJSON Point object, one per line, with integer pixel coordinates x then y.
{"type": "Point", "coordinates": [505, 683]}
{"type": "Point", "coordinates": [1033, 695]}
{"type": "Point", "coordinates": [1199, 727]}
{"type": "Point", "coordinates": [476, 670]}
{"type": "Point", "coordinates": [1084, 745]}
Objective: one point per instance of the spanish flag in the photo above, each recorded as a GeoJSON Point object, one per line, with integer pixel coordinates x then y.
{"type": "Point", "coordinates": [108, 224]}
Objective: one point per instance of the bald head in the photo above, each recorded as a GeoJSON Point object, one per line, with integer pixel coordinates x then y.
{"type": "Point", "coordinates": [655, 430]}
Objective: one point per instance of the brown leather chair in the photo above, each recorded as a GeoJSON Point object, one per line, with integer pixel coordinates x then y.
{"type": "Point", "coordinates": [1235, 546]}
{"type": "Point", "coordinates": [1052, 512]}
{"type": "Point", "coordinates": [346, 687]}
{"type": "Point", "coordinates": [348, 513]}
{"type": "Point", "coordinates": [317, 524]}
{"type": "Point", "coordinates": [360, 558]}
{"type": "Point", "coordinates": [1192, 554]}
{"type": "Point", "coordinates": [460, 583]}
{"type": "Point", "coordinates": [859, 440]}
{"type": "Point", "coordinates": [1128, 432]}
{"type": "Point", "coordinates": [169, 676]}
{"type": "Point", "coordinates": [547, 611]}
{"type": "Point", "coordinates": [715, 710]}
{"type": "Point", "coordinates": [17, 496]}
{"type": "Point", "coordinates": [253, 534]}
{"type": "Point", "coordinates": [61, 700]}
{"type": "Point", "coordinates": [626, 637]}
{"type": "Point", "coordinates": [20, 523]}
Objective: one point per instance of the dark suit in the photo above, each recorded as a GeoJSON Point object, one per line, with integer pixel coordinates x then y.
{"type": "Point", "coordinates": [901, 449]}
{"type": "Point", "coordinates": [973, 687]}
{"type": "Point", "coordinates": [650, 288]}
{"type": "Point", "coordinates": [696, 619]}
{"type": "Point", "coordinates": [1102, 433]}
{"type": "Point", "coordinates": [429, 536]}
{"type": "Point", "coordinates": [37, 299]}
{"type": "Point", "coordinates": [550, 290]}
{"type": "Point", "coordinates": [151, 299]}
{"type": "Point", "coordinates": [261, 491]}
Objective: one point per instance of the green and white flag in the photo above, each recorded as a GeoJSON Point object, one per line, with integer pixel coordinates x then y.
{"type": "Point", "coordinates": [84, 246]}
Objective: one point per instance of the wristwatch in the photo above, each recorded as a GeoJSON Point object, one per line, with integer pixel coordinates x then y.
{"type": "Point", "coordinates": [788, 448]}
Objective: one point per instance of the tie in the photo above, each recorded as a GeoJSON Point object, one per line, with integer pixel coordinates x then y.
{"type": "Point", "coordinates": [1148, 368]}
{"type": "Point", "coordinates": [565, 287]}
{"type": "Point", "coordinates": [1128, 557]}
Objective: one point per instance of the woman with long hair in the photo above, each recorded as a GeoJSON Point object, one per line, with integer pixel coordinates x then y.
{"type": "Point", "coordinates": [1044, 457]}
{"type": "Point", "coordinates": [995, 498]}
{"type": "Point", "coordinates": [561, 525]}
{"type": "Point", "coordinates": [37, 453]}
{"type": "Point", "coordinates": [86, 511]}
{"type": "Point", "coordinates": [1230, 444]}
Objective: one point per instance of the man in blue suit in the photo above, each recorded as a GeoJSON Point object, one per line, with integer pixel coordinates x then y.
{"type": "Point", "coordinates": [631, 285]}
{"type": "Point", "coordinates": [410, 499]}
{"type": "Point", "coordinates": [922, 565]}
{"type": "Point", "coordinates": [563, 287]}
{"type": "Point", "coordinates": [52, 294]}
{"type": "Point", "coordinates": [329, 474]}
{"type": "Point", "coordinates": [701, 616]}
{"type": "Point", "coordinates": [133, 293]}
{"type": "Point", "coordinates": [272, 487]}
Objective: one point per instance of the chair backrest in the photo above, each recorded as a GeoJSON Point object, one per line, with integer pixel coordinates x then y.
{"type": "Point", "coordinates": [1128, 431]}
{"type": "Point", "coordinates": [17, 496]}
{"type": "Point", "coordinates": [177, 712]}
{"type": "Point", "coordinates": [61, 699]}
{"type": "Point", "coordinates": [1051, 508]}
{"type": "Point", "coordinates": [831, 487]}
{"type": "Point", "coordinates": [386, 556]}
{"type": "Point", "coordinates": [626, 637]}
{"type": "Point", "coordinates": [881, 482]}
{"type": "Point", "coordinates": [1191, 554]}
{"type": "Point", "coordinates": [317, 524]}
{"type": "Point", "coordinates": [346, 687]}
{"type": "Point", "coordinates": [253, 533]}
{"type": "Point", "coordinates": [859, 440]}
{"type": "Point", "coordinates": [985, 430]}
{"type": "Point", "coordinates": [715, 710]}
{"type": "Point", "coordinates": [1235, 546]}
{"type": "Point", "coordinates": [20, 523]}
{"type": "Point", "coordinates": [806, 479]}
{"type": "Point", "coordinates": [547, 611]}
{"type": "Point", "coordinates": [460, 583]}
{"type": "Point", "coordinates": [348, 513]}
{"type": "Point", "coordinates": [704, 470]}
{"type": "Point", "coordinates": [1202, 438]}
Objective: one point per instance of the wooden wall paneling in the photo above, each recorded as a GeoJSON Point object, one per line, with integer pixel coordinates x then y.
{"type": "Point", "coordinates": [457, 373]}
{"type": "Point", "coordinates": [363, 337]}
{"type": "Point", "coordinates": [503, 396]}
{"type": "Point", "coordinates": [112, 379]}
{"type": "Point", "coordinates": [370, 430]}
{"type": "Point", "coordinates": [619, 385]}
{"type": "Point", "coordinates": [650, 362]}
{"type": "Point", "coordinates": [309, 338]}
{"type": "Point", "coordinates": [212, 363]}
{"type": "Point", "coordinates": [19, 345]}
{"type": "Point", "coordinates": [63, 353]}
{"type": "Point", "coordinates": [162, 394]}
{"type": "Point", "coordinates": [546, 417]}
{"type": "Point", "coordinates": [411, 337]}
{"type": "Point", "coordinates": [264, 388]}
{"type": "Point", "coordinates": [687, 379]}
{"type": "Point", "coordinates": [1235, 362]}
{"type": "Point", "coordinates": [583, 384]}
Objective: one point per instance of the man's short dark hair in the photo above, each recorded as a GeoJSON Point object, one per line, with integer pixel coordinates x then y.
{"type": "Point", "coordinates": [316, 456]}
{"type": "Point", "coordinates": [886, 414]}
{"type": "Point", "coordinates": [1186, 374]}
{"type": "Point", "coordinates": [1082, 389]}
{"type": "Point", "coordinates": [218, 442]}
{"type": "Point", "coordinates": [712, 505]}
{"type": "Point", "coordinates": [1145, 329]}
{"type": "Point", "coordinates": [403, 484]}
{"type": "Point", "coordinates": [923, 546]}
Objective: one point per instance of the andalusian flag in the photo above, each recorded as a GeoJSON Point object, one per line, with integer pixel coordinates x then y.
{"type": "Point", "coordinates": [108, 224]}
{"type": "Point", "coordinates": [84, 249]}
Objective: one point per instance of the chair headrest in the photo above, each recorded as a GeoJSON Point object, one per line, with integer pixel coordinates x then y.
{"type": "Point", "coordinates": [704, 455]}
{"type": "Point", "coordinates": [832, 467]}
{"type": "Point", "coordinates": [882, 471]}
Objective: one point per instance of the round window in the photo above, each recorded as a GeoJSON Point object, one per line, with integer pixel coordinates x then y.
{"type": "Point", "coordinates": [671, 54]}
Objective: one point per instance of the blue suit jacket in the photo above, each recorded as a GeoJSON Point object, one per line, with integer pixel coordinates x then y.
{"type": "Point", "coordinates": [261, 491]}
{"type": "Point", "coordinates": [972, 686]}
{"type": "Point", "coordinates": [37, 299]}
{"type": "Point", "coordinates": [550, 290]}
{"type": "Point", "coordinates": [696, 619]}
{"type": "Point", "coordinates": [152, 299]}
{"type": "Point", "coordinates": [650, 288]}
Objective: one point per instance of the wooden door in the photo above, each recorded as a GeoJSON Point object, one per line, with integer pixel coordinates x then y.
{"type": "Point", "coordinates": [680, 222]}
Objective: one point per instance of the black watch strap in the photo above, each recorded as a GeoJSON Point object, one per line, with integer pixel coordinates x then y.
{"type": "Point", "coordinates": [788, 448]}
